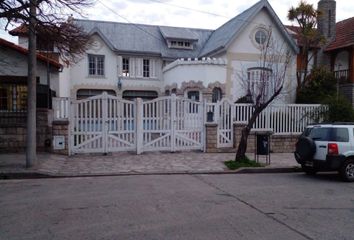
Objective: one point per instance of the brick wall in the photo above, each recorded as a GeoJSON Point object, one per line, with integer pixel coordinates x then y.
{"type": "Point", "coordinates": [13, 135]}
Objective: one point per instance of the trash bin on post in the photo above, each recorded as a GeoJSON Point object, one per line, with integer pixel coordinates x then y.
{"type": "Point", "coordinates": [262, 144]}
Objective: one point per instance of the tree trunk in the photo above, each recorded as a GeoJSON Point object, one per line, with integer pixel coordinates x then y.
{"type": "Point", "coordinates": [242, 147]}
{"type": "Point", "coordinates": [31, 143]}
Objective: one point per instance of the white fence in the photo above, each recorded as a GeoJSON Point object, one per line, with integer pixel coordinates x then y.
{"type": "Point", "coordinates": [170, 123]}
{"type": "Point", "coordinates": [282, 119]}
{"type": "Point", "coordinates": [61, 108]}
{"type": "Point", "coordinates": [289, 119]}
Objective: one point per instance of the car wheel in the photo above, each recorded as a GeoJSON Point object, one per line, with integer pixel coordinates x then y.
{"type": "Point", "coordinates": [347, 170]}
{"type": "Point", "coordinates": [305, 148]}
{"type": "Point", "coordinates": [309, 170]}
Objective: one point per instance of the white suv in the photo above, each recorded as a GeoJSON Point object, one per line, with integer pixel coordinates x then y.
{"type": "Point", "coordinates": [327, 147]}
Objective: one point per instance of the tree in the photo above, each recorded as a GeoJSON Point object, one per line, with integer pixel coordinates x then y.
{"type": "Point", "coordinates": [321, 85]}
{"type": "Point", "coordinates": [45, 19]}
{"type": "Point", "coordinates": [309, 38]}
{"type": "Point", "coordinates": [263, 83]}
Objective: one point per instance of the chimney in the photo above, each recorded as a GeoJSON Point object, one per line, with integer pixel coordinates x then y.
{"type": "Point", "coordinates": [327, 19]}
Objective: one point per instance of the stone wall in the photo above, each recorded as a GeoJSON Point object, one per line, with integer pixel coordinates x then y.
{"type": "Point", "coordinates": [13, 134]}
{"type": "Point", "coordinates": [278, 143]}
{"type": "Point", "coordinates": [211, 137]}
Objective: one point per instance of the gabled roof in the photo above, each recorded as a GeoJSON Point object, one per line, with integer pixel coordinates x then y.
{"type": "Point", "coordinates": [144, 39]}
{"type": "Point", "coordinates": [24, 51]}
{"type": "Point", "coordinates": [344, 35]}
{"type": "Point", "coordinates": [224, 35]}
{"type": "Point", "coordinates": [178, 33]}
{"type": "Point", "coordinates": [21, 30]}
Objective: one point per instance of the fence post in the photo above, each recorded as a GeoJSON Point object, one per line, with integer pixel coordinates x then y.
{"type": "Point", "coordinates": [105, 121]}
{"type": "Point", "coordinates": [139, 126]}
{"type": "Point", "coordinates": [71, 117]}
{"type": "Point", "coordinates": [173, 122]}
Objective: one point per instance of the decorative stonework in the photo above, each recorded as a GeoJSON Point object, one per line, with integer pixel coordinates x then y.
{"type": "Point", "coordinates": [199, 86]}
{"type": "Point", "coordinates": [192, 85]}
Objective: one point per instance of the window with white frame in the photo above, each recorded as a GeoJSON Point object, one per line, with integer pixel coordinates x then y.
{"type": "Point", "coordinates": [261, 36]}
{"type": "Point", "coordinates": [146, 68]}
{"type": "Point", "coordinates": [96, 65]}
{"type": "Point", "coordinates": [125, 67]}
{"type": "Point", "coordinates": [181, 44]}
{"type": "Point", "coordinates": [259, 82]}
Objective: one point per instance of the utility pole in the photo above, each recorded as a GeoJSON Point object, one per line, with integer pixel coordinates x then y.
{"type": "Point", "coordinates": [31, 138]}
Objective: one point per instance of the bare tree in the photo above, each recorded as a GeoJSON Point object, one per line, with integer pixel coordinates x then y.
{"type": "Point", "coordinates": [263, 83]}
{"type": "Point", "coordinates": [47, 20]}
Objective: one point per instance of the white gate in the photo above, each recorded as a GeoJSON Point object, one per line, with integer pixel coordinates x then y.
{"type": "Point", "coordinates": [105, 123]}
{"type": "Point", "coordinates": [225, 115]}
{"type": "Point", "coordinates": [172, 124]}
{"type": "Point", "coordinates": [102, 124]}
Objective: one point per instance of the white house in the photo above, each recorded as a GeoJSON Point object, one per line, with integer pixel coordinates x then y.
{"type": "Point", "coordinates": [135, 60]}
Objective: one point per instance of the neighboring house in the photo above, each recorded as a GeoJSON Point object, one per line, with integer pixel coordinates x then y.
{"type": "Point", "coordinates": [135, 60]}
{"type": "Point", "coordinates": [338, 51]}
{"type": "Point", "coordinates": [13, 96]}
{"type": "Point", "coordinates": [13, 78]}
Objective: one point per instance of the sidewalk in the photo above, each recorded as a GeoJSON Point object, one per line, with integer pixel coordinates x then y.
{"type": "Point", "coordinates": [12, 165]}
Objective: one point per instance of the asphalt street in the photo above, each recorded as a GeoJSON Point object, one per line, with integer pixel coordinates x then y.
{"type": "Point", "coordinates": [240, 206]}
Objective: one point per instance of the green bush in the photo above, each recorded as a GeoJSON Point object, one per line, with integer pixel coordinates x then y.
{"type": "Point", "coordinates": [339, 110]}
{"type": "Point", "coordinates": [321, 85]}
{"type": "Point", "coordinates": [322, 89]}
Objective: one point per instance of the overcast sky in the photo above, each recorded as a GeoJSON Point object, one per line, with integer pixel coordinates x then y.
{"type": "Point", "coordinates": [208, 14]}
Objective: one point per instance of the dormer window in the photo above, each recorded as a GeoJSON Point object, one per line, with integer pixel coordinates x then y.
{"type": "Point", "coordinates": [180, 44]}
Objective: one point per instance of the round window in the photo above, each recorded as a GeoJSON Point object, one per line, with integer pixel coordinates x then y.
{"type": "Point", "coordinates": [261, 36]}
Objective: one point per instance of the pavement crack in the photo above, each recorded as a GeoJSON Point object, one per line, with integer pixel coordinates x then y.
{"type": "Point", "coordinates": [268, 215]}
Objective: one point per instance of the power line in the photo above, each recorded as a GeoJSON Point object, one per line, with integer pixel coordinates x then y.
{"type": "Point", "coordinates": [190, 9]}
{"type": "Point", "coordinates": [127, 20]}
{"type": "Point", "coordinates": [201, 11]}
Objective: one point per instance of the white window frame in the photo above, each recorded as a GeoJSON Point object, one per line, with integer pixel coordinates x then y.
{"type": "Point", "coordinates": [126, 67]}
{"type": "Point", "coordinates": [146, 68]}
{"type": "Point", "coordinates": [98, 67]}
{"type": "Point", "coordinates": [259, 79]}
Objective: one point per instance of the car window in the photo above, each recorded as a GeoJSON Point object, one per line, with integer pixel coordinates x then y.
{"type": "Point", "coordinates": [340, 135]}
{"type": "Point", "coordinates": [320, 134]}
{"type": "Point", "coordinates": [327, 134]}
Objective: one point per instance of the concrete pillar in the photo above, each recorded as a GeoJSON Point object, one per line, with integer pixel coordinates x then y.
{"type": "Point", "coordinates": [61, 129]}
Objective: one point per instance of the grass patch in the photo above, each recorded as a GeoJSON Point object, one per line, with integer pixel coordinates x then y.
{"type": "Point", "coordinates": [233, 165]}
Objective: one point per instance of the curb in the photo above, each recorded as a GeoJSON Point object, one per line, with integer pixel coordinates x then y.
{"type": "Point", "coordinates": [39, 175]}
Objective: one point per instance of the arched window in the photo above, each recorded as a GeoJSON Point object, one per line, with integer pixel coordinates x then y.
{"type": "Point", "coordinates": [167, 93]}
{"type": "Point", "coordinates": [259, 82]}
{"type": "Point", "coordinates": [217, 95]}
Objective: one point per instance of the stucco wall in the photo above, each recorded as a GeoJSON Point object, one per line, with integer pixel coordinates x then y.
{"type": "Point", "coordinates": [243, 53]}
{"type": "Point", "coordinates": [80, 79]}
{"type": "Point", "coordinates": [207, 71]}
